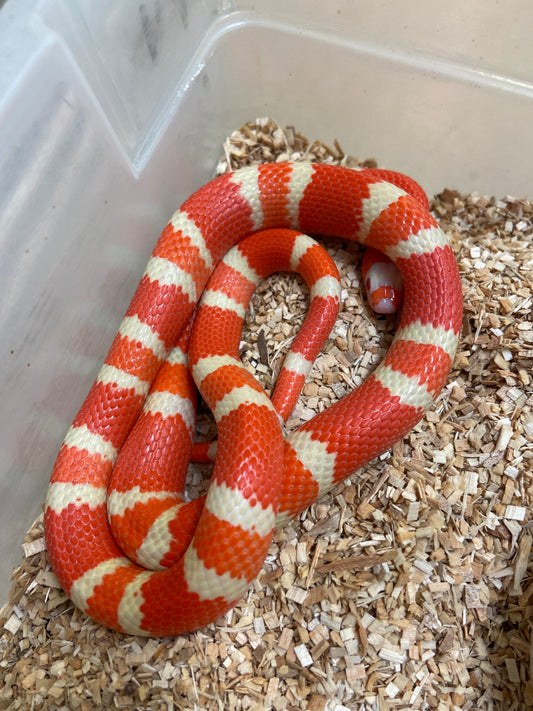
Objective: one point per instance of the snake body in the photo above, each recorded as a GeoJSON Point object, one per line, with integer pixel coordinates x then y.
{"type": "Point", "coordinates": [218, 544]}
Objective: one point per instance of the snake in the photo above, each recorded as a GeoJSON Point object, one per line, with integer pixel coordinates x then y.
{"type": "Point", "coordinates": [136, 423]}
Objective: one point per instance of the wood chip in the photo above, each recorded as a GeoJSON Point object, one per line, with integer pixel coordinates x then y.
{"type": "Point", "coordinates": [408, 587]}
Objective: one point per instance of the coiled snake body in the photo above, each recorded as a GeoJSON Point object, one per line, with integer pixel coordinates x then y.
{"type": "Point", "coordinates": [136, 425]}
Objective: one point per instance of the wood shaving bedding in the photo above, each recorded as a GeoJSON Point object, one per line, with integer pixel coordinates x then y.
{"type": "Point", "coordinates": [408, 587]}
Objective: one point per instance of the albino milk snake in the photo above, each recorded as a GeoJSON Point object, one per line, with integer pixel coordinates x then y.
{"type": "Point", "coordinates": [205, 553]}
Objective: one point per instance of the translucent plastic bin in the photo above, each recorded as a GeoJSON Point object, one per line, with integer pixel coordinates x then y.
{"type": "Point", "coordinates": [112, 113]}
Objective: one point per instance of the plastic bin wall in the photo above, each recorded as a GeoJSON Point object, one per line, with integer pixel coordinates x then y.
{"type": "Point", "coordinates": [112, 113]}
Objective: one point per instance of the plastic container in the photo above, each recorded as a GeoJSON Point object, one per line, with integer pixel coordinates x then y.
{"type": "Point", "coordinates": [112, 113]}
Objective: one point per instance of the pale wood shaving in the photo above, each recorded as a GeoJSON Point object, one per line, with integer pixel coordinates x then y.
{"type": "Point", "coordinates": [410, 586]}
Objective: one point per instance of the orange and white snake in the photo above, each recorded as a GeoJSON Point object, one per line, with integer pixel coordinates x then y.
{"type": "Point", "coordinates": [133, 434]}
